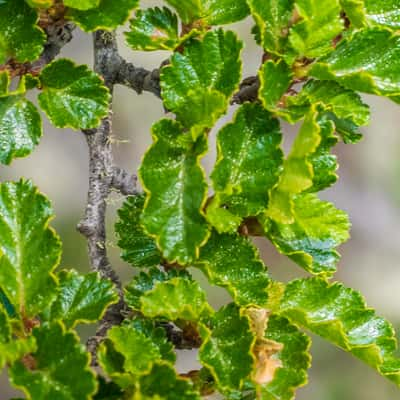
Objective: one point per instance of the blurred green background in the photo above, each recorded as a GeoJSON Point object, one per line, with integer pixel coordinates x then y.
{"type": "Point", "coordinates": [368, 190]}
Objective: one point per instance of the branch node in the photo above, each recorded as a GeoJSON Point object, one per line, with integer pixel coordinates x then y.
{"type": "Point", "coordinates": [86, 228]}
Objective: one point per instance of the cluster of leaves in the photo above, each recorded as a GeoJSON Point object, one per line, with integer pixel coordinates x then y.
{"type": "Point", "coordinates": [317, 56]}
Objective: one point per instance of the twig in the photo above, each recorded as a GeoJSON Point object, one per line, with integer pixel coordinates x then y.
{"type": "Point", "coordinates": [103, 175]}
{"type": "Point", "coordinates": [138, 79]}
{"type": "Point", "coordinates": [57, 37]}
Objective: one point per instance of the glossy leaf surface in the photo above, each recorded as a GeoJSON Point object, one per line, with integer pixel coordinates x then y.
{"type": "Point", "coordinates": [366, 62]}
{"type": "Point", "coordinates": [138, 248]}
{"type": "Point", "coordinates": [82, 298]}
{"type": "Point", "coordinates": [210, 12]}
{"type": "Point", "coordinates": [176, 191]}
{"type": "Point", "coordinates": [219, 12]}
{"type": "Point", "coordinates": [188, 11]}
{"type": "Point", "coordinates": [61, 367]}
{"type": "Point", "coordinates": [272, 18]}
{"type": "Point", "coordinates": [177, 298]}
{"type": "Point", "coordinates": [21, 38]}
{"type": "Point", "coordinates": [73, 96]}
{"type": "Point", "coordinates": [138, 351]}
{"type": "Point", "coordinates": [249, 161]}
{"type": "Point", "coordinates": [105, 16]}
{"type": "Point", "coordinates": [312, 238]}
{"type": "Point", "coordinates": [373, 12]}
{"type": "Point", "coordinates": [153, 29]}
{"type": "Point", "coordinates": [162, 383]}
{"type": "Point", "coordinates": [227, 348]}
{"type": "Point", "coordinates": [297, 175]}
{"type": "Point", "coordinates": [319, 24]}
{"type": "Point", "coordinates": [145, 282]}
{"type": "Point", "coordinates": [343, 102]}
{"type": "Point", "coordinates": [339, 315]}
{"type": "Point", "coordinates": [198, 83]}
{"type": "Point", "coordinates": [276, 78]}
{"type": "Point", "coordinates": [29, 249]}
{"type": "Point", "coordinates": [20, 122]}
{"type": "Point", "coordinates": [383, 12]}
{"type": "Point", "coordinates": [231, 261]}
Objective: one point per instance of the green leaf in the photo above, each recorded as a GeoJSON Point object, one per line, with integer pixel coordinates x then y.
{"type": "Point", "coordinates": [355, 11]}
{"type": "Point", "coordinates": [339, 315]}
{"type": "Point", "coordinates": [153, 29]}
{"type": "Point", "coordinates": [310, 241]}
{"type": "Point", "coordinates": [158, 336]}
{"type": "Point", "coordinates": [319, 24]}
{"type": "Point", "coordinates": [219, 12]}
{"type": "Point", "coordinates": [12, 349]}
{"type": "Point", "coordinates": [383, 13]}
{"type": "Point", "coordinates": [324, 163]}
{"type": "Point", "coordinates": [186, 301]}
{"type": "Point", "coordinates": [112, 363]}
{"type": "Point", "coordinates": [294, 359]}
{"type": "Point", "coordinates": [82, 4]}
{"type": "Point", "coordinates": [176, 190]}
{"type": "Point", "coordinates": [347, 107]}
{"type": "Point", "coordinates": [345, 103]}
{"type": "Point", "coordinates": [40, 3]}
{"type": "Point", "coordinates": [21, 38]}
{"type": "Point", "coordinates": [369, 61]}
{"type": "Point", "coordinates": [29, 249]}
{"type": "Point", "coordinates": [61, 367]}
{"type": "Point", "coordinates": [162, 383]}
{"type": "Point", "coordinates": [145, 282]}
{"type": "Point", "coordinates": [298, 174]}
{"type": "Point", "coordinates": [20, 122]}
{"type": "Point", "coordinates": [82, 298]}
{"type": "Point", "coordinates": [197, 85]}
{"type": "Point", "coordinates": [139, 352]}
{"type": "Point", "coordinates": [188, 10]}
{"type": "Point", "coordinates": [4, 83]}
{"type": "Point", "coordinates": [211, 12]}
{"type": "Point", "coordinates": [275, 78]}
{"type": "Point", "coordinates": [73, 96]}
{"type": "Point", "coordinates": [231, 261]}
{"type": "Point", "coordinates": [108, 390]}
{"type": "Point", "coordinates": [138, 248]}
{"type": "Point", "coordinates": [272, 18]}
{"type": "Point", "coordinates": [8, 307]}
{"type": "Point", "coordinates": [222, 219]}
{"type": "Point", "coordinates": [227, 348]}
{"type": "Point", "coordinates": [132, 349]}
{"type": "Point", "coordinates": [249, 161]}
{"type": "Point", "coordinates": [373, 12]}
{"type": "Point", "coordinates": [105, 16]}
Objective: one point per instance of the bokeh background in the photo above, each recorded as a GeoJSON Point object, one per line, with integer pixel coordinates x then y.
{"type": "Point", "coordinates": [368, 190]}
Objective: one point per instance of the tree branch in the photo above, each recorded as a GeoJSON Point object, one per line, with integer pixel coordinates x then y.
{"type": "Point", "coordinates": [57, 37]}
{"type": "Point", "coordinates": [139, 79]}
{"type": "Point", "coordinates": [103, 176]}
